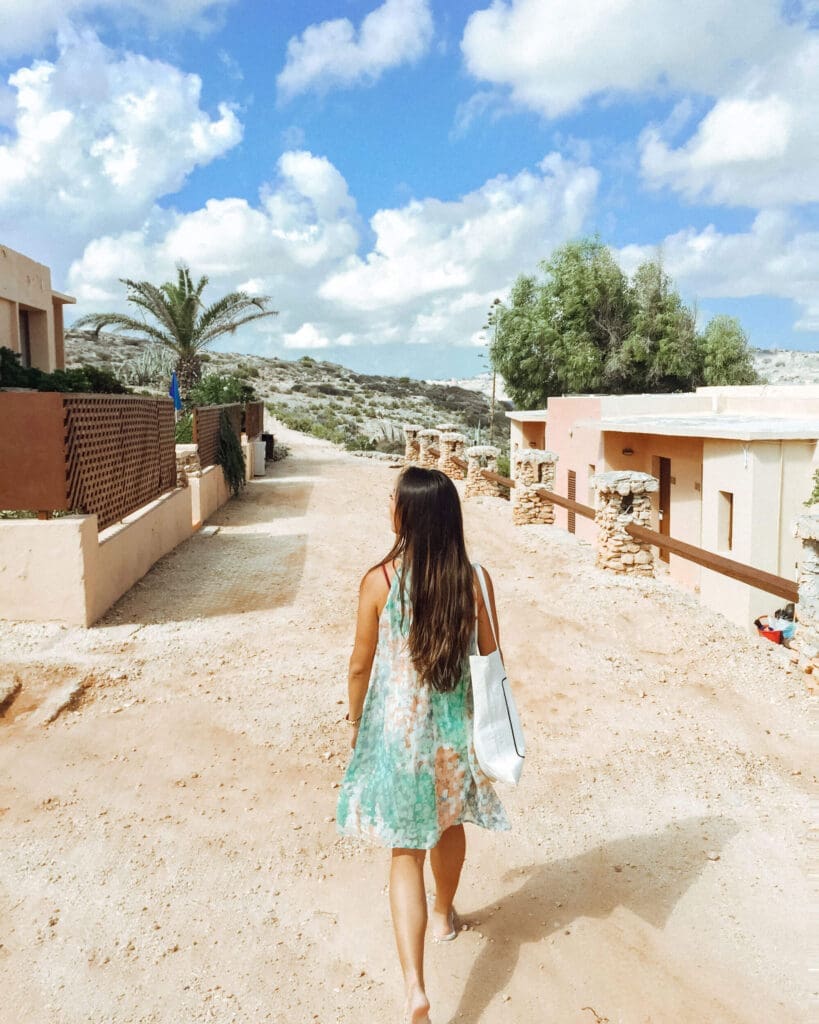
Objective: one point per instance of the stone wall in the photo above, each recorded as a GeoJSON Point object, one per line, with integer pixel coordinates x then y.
{"type": "Point", "coordinates": [480, 457]}
{"type": "Point", "coordinates": [805, 641]}
{"type": "Point", "coordinates": [622, 497]}
{"type": "Point", "coordinates": [534, 468]}
{"type": "Point", "coordinates": [187, 463]}
{"type": "Point", "coordinates": [452, 446]}
{"type": "Point", "coordinates": [428, 448]}
{"type": "Point", "coordinates": [412, 451]}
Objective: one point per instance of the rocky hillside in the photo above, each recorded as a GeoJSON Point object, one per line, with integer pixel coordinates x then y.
{"type": "Point", "coordinates": [361, 411]}
{"type": "Point", "coordinates": [321, 398]}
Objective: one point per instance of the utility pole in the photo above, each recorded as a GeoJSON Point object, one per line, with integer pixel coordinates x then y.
{"type": "Point", "coordinates": [493, 319]}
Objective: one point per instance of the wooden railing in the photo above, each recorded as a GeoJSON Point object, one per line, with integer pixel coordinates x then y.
{"type": "Point", "coordinates": [748, 574]}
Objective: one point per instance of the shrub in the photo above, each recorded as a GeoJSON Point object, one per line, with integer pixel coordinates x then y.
{"type": "Point", "coordinates": [184, 429]}
{"type": "Point", "coordinates": [221, 389]}
{"type": "Point", "coordinates": [229, 455]}
{"type": "Point", "coordinates": [86, 379]}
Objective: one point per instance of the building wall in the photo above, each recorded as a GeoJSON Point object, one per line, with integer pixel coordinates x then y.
{"type": "Point", "coordinates": [525, 434]}
{"type": "Point", "coordinates": [685, 455]}
{"type": "Point", "coordinates": [579, 449]}
{"type": "Point", "coordinates": [26, 285]}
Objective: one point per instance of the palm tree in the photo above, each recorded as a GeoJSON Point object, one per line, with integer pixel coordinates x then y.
{"type": "Point", "coordinates": [181, 321]}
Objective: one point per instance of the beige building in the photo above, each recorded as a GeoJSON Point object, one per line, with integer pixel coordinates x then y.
{"type": "Point", "coordinates": [31, 312]}
{"type": "Point", "coordinates": [735, 465]}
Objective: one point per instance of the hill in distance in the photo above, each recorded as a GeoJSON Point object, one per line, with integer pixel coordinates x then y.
{"type": "Point", "coordinates": [325, 399]}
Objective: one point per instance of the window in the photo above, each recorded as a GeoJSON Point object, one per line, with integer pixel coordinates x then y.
{"type": "Point", "coordinates": [725, 521]}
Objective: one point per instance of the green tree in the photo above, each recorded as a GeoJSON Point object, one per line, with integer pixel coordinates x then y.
{"type": "Point", "coordinates": [559, 336]}
{"type": "Point", "coordinates": [727, 357]}
{"type": "Point", "coordinates": [174, 315]}
{"type": "Point", "coordinates": [661, 352]}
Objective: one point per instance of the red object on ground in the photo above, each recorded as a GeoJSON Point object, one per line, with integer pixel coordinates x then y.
{"type": "Point", "coordinates": [774, 635]}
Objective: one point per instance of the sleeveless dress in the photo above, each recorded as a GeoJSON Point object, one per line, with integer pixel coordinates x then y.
{"type": "Point", "coordinates": [413, 772]}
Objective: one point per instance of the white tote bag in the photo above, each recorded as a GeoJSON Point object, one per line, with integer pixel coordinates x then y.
{"type": "Point", "coordinates": [497, 733]}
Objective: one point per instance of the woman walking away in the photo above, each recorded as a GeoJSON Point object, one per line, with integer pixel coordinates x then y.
{"type": "Point", "coordinates": [413, 779]}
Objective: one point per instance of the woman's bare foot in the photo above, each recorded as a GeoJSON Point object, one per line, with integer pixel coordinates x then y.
{"type": "Point", "coordinates": [417, 1009]}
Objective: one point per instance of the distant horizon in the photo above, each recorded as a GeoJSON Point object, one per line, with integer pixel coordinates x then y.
{"type": "Point", "coordinates": [384, 169]}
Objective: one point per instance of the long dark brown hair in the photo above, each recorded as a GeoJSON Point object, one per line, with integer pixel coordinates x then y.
{"type": "Point", "coordinates": [430, 542]}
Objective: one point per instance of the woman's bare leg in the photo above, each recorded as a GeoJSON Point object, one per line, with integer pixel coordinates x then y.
{"type": "Point", "coordinates": [446, 859]}
{"type": "Point", "coordinates": [409, 921]}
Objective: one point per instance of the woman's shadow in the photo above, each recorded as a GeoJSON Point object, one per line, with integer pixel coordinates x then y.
{"type": "Point", "coordinates": [647, 874]}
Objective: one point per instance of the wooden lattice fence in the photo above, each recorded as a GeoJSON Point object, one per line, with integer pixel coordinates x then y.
{"type": "Point", "coordinates": [106, 455]}
{"type": "Point", "coordinates": [206, 429]}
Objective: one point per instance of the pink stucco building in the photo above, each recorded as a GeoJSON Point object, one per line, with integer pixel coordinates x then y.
{"type": "Point", "coordinates": [735, 465]}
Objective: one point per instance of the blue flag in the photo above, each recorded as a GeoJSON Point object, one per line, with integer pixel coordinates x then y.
{"type": "Point", "coordinates": [173, 391]}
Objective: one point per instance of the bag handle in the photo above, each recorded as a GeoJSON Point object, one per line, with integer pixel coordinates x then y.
{"type": "Point", "coordinates": [482, 580]}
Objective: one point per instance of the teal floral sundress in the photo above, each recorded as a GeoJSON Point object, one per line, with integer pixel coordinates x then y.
{"type": "Point", "coordinates": [413, 772]}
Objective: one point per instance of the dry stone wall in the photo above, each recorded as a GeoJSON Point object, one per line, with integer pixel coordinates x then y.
{"type": "Point", "coordinates": [480, 457]}
{"type": "Point", "coordinates": [187, 463]}
{"type": "Point", "coordinates": [622, 497]}
{"type": "Point", "coordinates": [534, 468]}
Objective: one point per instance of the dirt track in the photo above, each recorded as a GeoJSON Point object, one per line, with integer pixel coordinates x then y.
{"type": "Point", "coordinates": [167, 846]}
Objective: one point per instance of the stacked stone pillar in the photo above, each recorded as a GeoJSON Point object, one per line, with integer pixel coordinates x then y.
{"type": "Point", "coordinates": [534, 468]}
{"type": "Point", "coordinates": [187, 463]}
{"type": "Point", "coordinates": [622, 497]}
{"type": "Point", "coordinates": [805, 640]}
{"type": "Point", "coordinates": [447, 428]}
{"type": "Point", "coordinates": [480, 457]}
{"type": "Point", "coordinates": [412, 452]}
{"type": "Point", "coordinates": [428, 448]}
{"type": "Point", "coordinates": [452, 447]}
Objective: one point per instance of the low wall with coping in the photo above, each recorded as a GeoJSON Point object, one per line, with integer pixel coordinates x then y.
{"type": "Point", "coordinates": [63, 570]}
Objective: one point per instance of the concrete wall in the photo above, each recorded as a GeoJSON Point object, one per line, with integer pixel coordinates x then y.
{"type": "Point", "coordinates": [769, 481]}
{"type": "Point", "coordinates": [127, 550]}
{"type": "Point", "coordinates": [208, 492]}
{"type": "Point", "coordinates": [42, 569]}
{"type": "Point", "coordinates": [61, 570]}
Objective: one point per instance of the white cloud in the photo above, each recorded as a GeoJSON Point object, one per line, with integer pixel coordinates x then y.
{"type": "Point", "coordinates": [431, 277]}
{"type": "Point", "coordinates": [438, 250]}
{"type": "Point", "coordinates": [28, 24]}
{"type": "Point", "coordinates": [331, 53]}
{"type": "Point", "coordinates": [773, 258]}
{"type": "Point", "coordinates": [555, 54]}
{"type": "Point", "coordinates": [96, 139]}
{"type": "Point", "coordinates": [307, 336]}
{"type": "Point", "coordinates": [757, 146]}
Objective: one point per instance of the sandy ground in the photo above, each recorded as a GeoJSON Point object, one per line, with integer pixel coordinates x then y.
{"type": "Point", "coordinates": [168, 849]}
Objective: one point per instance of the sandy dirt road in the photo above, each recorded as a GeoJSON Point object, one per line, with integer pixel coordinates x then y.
{"type": "Point", "coordinates": [168, 852]}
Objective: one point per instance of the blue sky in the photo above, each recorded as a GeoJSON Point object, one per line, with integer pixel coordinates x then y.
{"type": "Point", "coordinates": [384, 170]}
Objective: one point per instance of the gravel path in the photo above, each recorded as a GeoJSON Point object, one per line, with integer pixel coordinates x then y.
{"type": "Point", "coordinates": [167, 845]}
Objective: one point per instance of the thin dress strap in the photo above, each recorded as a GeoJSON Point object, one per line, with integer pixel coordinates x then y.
{"type": "Point", "coordinates": [386, 574]}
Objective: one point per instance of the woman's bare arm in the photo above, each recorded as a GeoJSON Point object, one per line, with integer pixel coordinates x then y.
{"type": "Point", "coordinates": [486, 642]}
{"type": "Point", "coordinates": [370, 600]}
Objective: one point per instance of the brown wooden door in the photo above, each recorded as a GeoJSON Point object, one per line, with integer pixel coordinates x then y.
{"type": "Point", "coordinates": [572, 496]}
{"type": "Point", "coordinates": [665, 502]}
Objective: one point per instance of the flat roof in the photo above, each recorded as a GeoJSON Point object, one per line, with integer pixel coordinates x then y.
{"type": "Point", "coordinates": [60, 297]}
{"type": "Point", "coordinates": [711, 425]}
{"type": "Point", "coordinates": [527, 415]}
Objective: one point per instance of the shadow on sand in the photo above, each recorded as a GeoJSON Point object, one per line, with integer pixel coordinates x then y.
{"type": "Point", "coordinates": [665, 865]}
